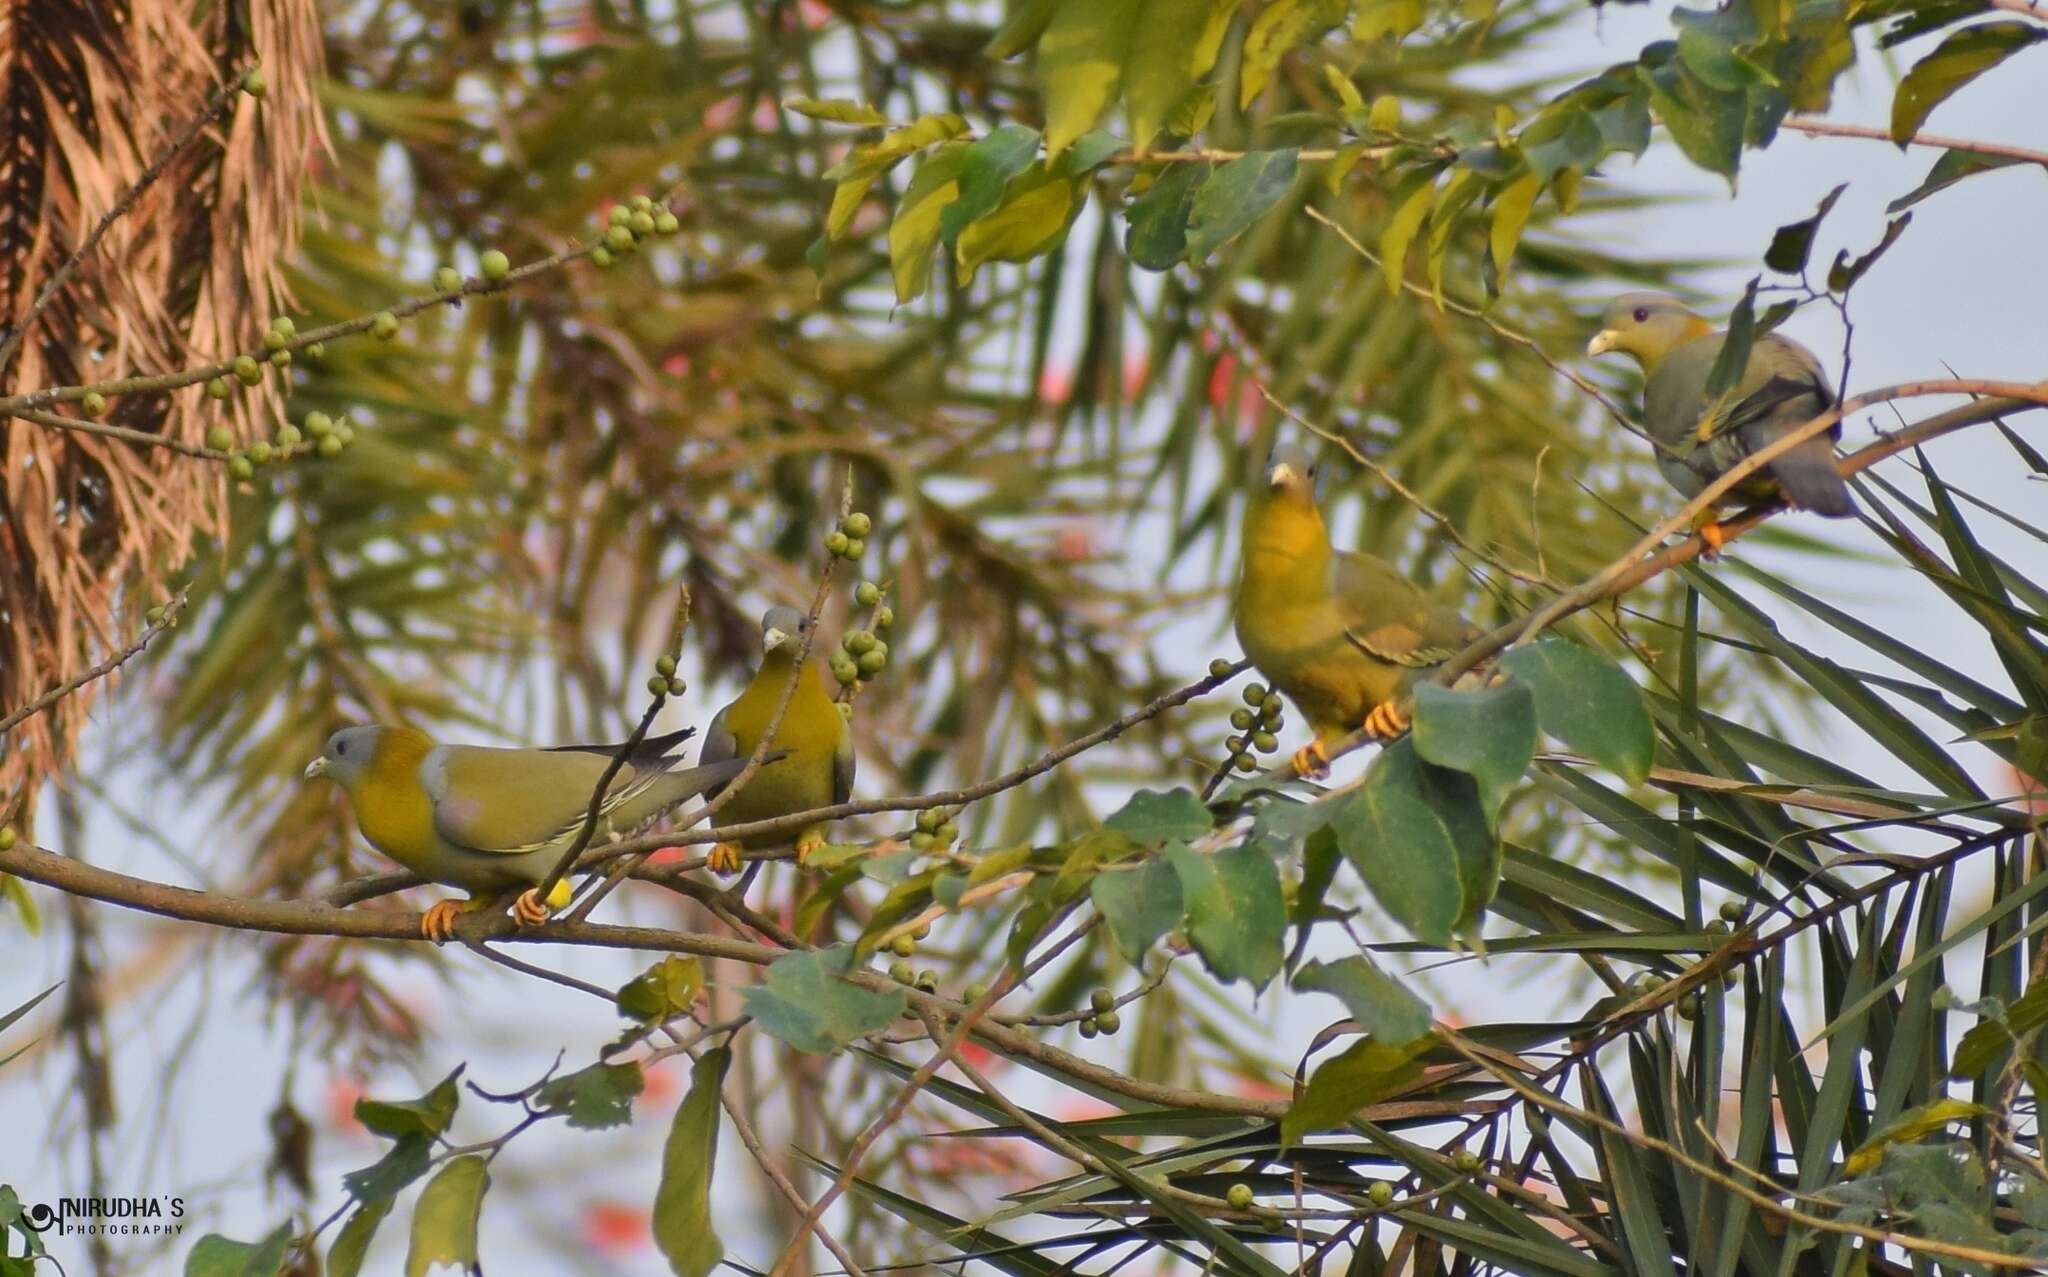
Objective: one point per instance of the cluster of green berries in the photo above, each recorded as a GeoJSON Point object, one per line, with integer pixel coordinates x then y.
{"type": "Point", "coordinates": [664, 682]}
{"type": "Point", "coordinates": [935, 830]}
{"type": "Point", "coordinates": [628, 224]}
{"type": "Point", "coordinates": [1257, 724]}
{"type": "Point", "coordinates": [901, 971]}
{"type": "Point", "coordinates": [1104, 1018]}
{"type": "Point", "coordinates": [850, 540]}
{"type": "Point", "coordinates": [860, 655]}
{"type": "Point", "coordinates": [328, 439]}
{"type": "Point", "coordinates": [277, 340]}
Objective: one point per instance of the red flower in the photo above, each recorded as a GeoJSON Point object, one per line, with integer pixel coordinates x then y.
{"type": "Point", "coordinates": [611, 1228]}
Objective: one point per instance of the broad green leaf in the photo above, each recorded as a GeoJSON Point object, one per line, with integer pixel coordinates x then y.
{"type": "Point", "coordinates": [668, 988]}
{"type": "Point", "coordinates": [428, 1115]}
{"type": "Point", "coordinates": [1588, 702]}
{"type": "Point", "coordinates": [1237, 917]}
{"type": "Point", "coordinates": [1404, 852]}
{"type": "Point", "coordinates": [1624, 123]}
{"type": "Point", "coordinates": [1140, 905]}
{"type": "Point", "coordinates": [1385, 1007]}
{"type": "Point", "coordinates": [838, 111]}
{"type": "Point", "coordinates": [1461, 190]}
{"type": "Point", "coordinates": [1911, 1125]}
{"type": "Point", "coordinates": [858, 171]}
{"type": "Point", "coordinates": [1959, 59]}
{"type": "Point", "coordinates": [1989, 1037]}
{"type": "Point", "coordinates": [683, 1228]}
{"type": "Point", "coordinates": [914, 230]}
{"type": "Point", "coordinates": [985, 170]}
{"type": "Point", "coordinates": [1706, 123]}
{"type": "Point", "coordinates": [1022, 30]}
{"type": "Point", "coordinates": [15, 892]}
{"type": "Point", "coordinates": [1037, 208]}
{"type": "Point", "coordinates": [444, 1220]}
{"type": "Point", "coordinates": [1280, 26]}
{"type": "Point", "coordinates": [806, 1001]}
{"type": "Point", "coordinates": [1453, 796]}
{"type": "Point", "coordinates": [1844, 273]}
{"type": "Point", "coordinates": [352, 1243]}
{"type": "Point", "coordinates": [1080, 60]}
{"type": "Point", "coordinates": [217, 1256]}
{"type": "Point", "coordinates": [1399, 232]}
{"type": "Point", "coordinates": [1954, 165]}
{"type": "Point", "coordinates": [1489, 734]}
{"type": "Point", "coordinates": [1152, 817]}
{"type": "Point", "coordinates": [596, 1097]}
{"type": "Point", "coordinates": [1386, 19]}
{"type": "Point", "coordinates": [1733, 359]}
{"type": "Point", "coordinates": [1089, 152]}
{"type": "Point", "coordinates": [1156, 234]}
{"type": "Point", "coordinates": [1161, 68]}
{"type": "Point", "coordinates": [1366, 1073]}
{"type": "Point", "coordinates": [1511, 209]}
{"type": "Point", "coordinates": [1562, 138]}
{"type": "Point", "coordinates": [1792, 245]}
{"type": "Point", "coordinates": [1234, 197]}
{"type": "Point", "coordinates": [407, 1160]}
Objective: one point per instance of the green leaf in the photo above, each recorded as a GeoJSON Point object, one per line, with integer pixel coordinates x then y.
{"type": "Point", "coordinates": [914, 230]}
{"type": "Point", "coordinates": [444, 1220]}
{"type": "Point", "coordinates": [1156, 234]}
{"type": "Point", "coordinates": [1625, 123]}
{"type": "Point", "coordinates": [1089, 152]}
{"type": "Point", "coordinates": [1511, 209]}
{"type": "Point", "coordinates": [1461, 190]}
{"type": "Point", "coordinates": [1733, 359]}
{"type": "Point", "coordinates": [1022, 30]}
{"type": "Point", "coordinates": [1152, 817]}
{"type": "Point", "coordinates": [1161, 68]}
{"type": "Point", "coordinates": [1954, 165]}
{"type": "Point", "coordinates": [1140, 905]}
{"type": "Point", "coordinates": [217, 1256]}
{"type": "Point", "coordinates": [1382, 1005]}
{"type": "Point", "coordinates": [985, 171]}
{"type": "Point", "coordinates": [1453, 796]}
{"type": "Point", "coordinates": [1080, 60]}
{"type": "Point", "coordinates": [806, 1001]}
{"type": "Point", "coordinates": [1235, 196]}
{"type": "Point", "coordinates": [10, 1017]}
{"type": "Point", "coordinates": [1707, 124]}
{"type": "Point", "coordinates": [596, 1097]}
{"type": "Point", "coordinates": [15, 892]}
{"type": "Point", "coordinates": [1237, 917]}
{"type": "Point", "coordinates": [1843, 274]}
{"type": "Point", "coordinates": [428, 1115]}
{"type": "Point", "coordinates": [1959, 59]}
{"type": "Point", "coordinates": [1989, 1037]}
{"type": "Point", "coordinates": [1404, 852]}
{"type": "Point", "coordinates": [857, 172]}
{"type": "Point", "coordinates": [668, 988]}
{"type": "Point", "coordinates": [1364, 1074]}
{"type": "Point", "coordinates": [682, 1205]}
{"type": "Point", "coordinates": [1387, 20]}
{"type": "Point", "coordinates": [1489, 734]}
{"type": "Point", "coordinates": [1911, 1125]}
{"type": "Point", "coordinates": [1412, 206]}
{"type": "Point", "coordinates": [1280, 26]}
{"type": "Point", "coordinates": [1588, 702]}
{"type": "Point", "coordinates": [407, 1160]}
{"type": "Point", "coordinates": [839, 111]}
{"type": "Point", "coordinates": [352, 1243]}
{"type": "Point", "coordinates": [1560, 139]}
{"type": "Point", "coordinates": [1793, 244]}
{"type": "Point", "coordinates": [1037, 208]}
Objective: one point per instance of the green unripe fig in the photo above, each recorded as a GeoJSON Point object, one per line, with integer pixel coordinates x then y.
{"type": "Point", "coordinates": [1246, 763]}
{"type": "Point", "coordinates": [280, 358]}
{"type": "Point", "coordinates": [665, 665]}
{"type": "Point", "coordinates": [642, 223]}
{"type": "Point", "coordinates": [884, 617]}
{"type": "Point", "coordinates": [928, 981]}
{"type": "Point", "coordinates": [318, 350]}
{"type": "Point", "coordinates": [494, 264]}
{"type": "Point", "coordinates": [1109, 1021]}
{"type": "Point", "coordinates": [1464, 1161]}
{"type": "Point", "coordinates": [319, 425]}
{"type": "Point", "coordinates": [1219, 668]}
{"type": "Point", "coordinates": [872, 663]}
{"type": "Point", "coordinates": [1255, 695]}
{"type": "Point", "coordinates": [247, 370]}
{"type": "Point", "coordinates": [7, 837]}
{"type": "Point", "coordinates": [1265, 742]}
{"type": "Point", "coordinates": [94, 403]}
{"type": "Point", "coordinates": [901, 973]}
{"type": "Point", "coordinates": [1381, 1193]}
{"type": "Point", "coordinates": [974, 992]}
{"type": "Point", "coordinates": [1239, 1196]}
{"type": "Point", "coordinates": [867, 594]}
{"type": "Point", "coordinates": [601, 257]}
{"type": "Point", "coordinates": [904, 945]}
{"type": "Point", "coordinates": [330, 447]}
{"type": "Point", "coordinates": [619, 214]}
{"type": "Point", "coordinates": [253, 82]}
{"type": "Point", "coordinates": [619, 239]}
{"type": "Point", "coordinates": [220, 438]}
{"type": "Point", "coordinates": [856, 524]}
{"type": "Point", "coordinates": [259, 452]}
{"type": "Point", "coordinates": [241, 468]}
{"type": "Point", "coordinates": [384, 325]}
{"type": "Point", "coordinates": [1242, 719]}
{"type": "Point", "coordinates": [1102, 1000]}
{"type": "Point", "coordinates": [947, 834]}
{"type": "Point", "coordinates": [1089, 1028]}
{"type": "Point", "coordinates": [447, 279]}
{"type": "Point", "coordinates": [676, 687]}
{"type": "Point", "coordinates": [639, 203]}
{"type": "Point", "coordinates": [835, 544]}
{"type": "Point", "coordinates": [287, 435]}
{"type": "Point", "coordinates": [859, 641]}
{"type": "Point", "coordinates": [665, 223]}
{"type": "Point", "coordinates": [218, 388]}
{"type": "Point", "coordinates": [844, 669]}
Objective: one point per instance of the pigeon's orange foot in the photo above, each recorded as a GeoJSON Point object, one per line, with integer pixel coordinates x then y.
{"type": "Point", "coordinates": [723, 858]}
{"type": "Point", "coordinates": [1715, 534]}
{"type": "Point", "coordinates": [1312, 761]}
{"type": "Point", "coordinates": [807, 845]}
{"type": "Point", "coordinates": [530, 909]}
{"type": "Point", "coordinates": [1385, 721]}
{"type": "Point", "coordinates": [438, 922]}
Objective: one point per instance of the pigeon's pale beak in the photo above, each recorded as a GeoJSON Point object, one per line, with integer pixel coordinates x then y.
{"type": "Point", "coordinates": [316, 768]}
{"type": "Point", "coordinates": [1280, 475]}
{"type": "Point", "coordinates": [1603, 341]}
{"type": "Point", "coordinates": [772, 638]}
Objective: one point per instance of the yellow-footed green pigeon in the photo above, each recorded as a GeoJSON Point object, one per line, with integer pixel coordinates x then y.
{"type": "Point", "coordinates": [1782, 387]}
{"type": "Point", "coordinates": [816, 765]}
{"type": "Point", "coordinates": [492, 820]}
{"type": "Point", "coordinates": [1341, 634]}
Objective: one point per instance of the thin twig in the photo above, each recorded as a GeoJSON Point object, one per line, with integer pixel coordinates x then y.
{"type": "Point", "coordinates": [1829, 128]}
{"type": "Point", "coordinates": [100, 671]}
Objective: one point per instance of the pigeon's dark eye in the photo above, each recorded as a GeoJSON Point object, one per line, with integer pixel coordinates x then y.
{"type": "Point", "coordinates": [341, 747]}
{"type": "Point", "coordinates": [1642, 313]}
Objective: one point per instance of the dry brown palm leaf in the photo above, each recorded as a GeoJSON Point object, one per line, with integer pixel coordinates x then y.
{"type": "Point", "coordinates": [91, 95]}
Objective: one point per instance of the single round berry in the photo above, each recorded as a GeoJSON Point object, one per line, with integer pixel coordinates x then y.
{"type": "Point", "coordinates": [619, 214]}
{"type": "Point", "coordinates": [494, 264]}
{"type": "Point", "coordinates": [384, 325]}
{"type": "Point", "coordinates": [1719, 927]}
{"type": "Point", "coordinates": [665, 665]}
{"type": "Point", "coordinates": [1265, 742]}
{"type": "Point", "coordinates": [867, 594]}
{"type": "Point", "coordinates": [619, 239]}
{"type": "Point", "coordinates": [844, 669]}
{"type": "Point", "coordinates": [6, 837]}
{"type": "Point", "coordinates": [319, 425]}
{"type": "Point", "coordinates": [641, 223]}
{"type": "Point", "coordinates": [288, 435]}
{"type": "Point", "coordinates": [665, 223]}
{"type": "Point", "coordinates": [1109, 1021]}
{"type": "Point", "coordinates": [923, 842]}
{"type": "Point", "coordinates": [280, 358]}
{"type": "Point", "coordinates": [1464, 1161]}
{"type": "Point", "coordinates": [241, 468]}
{"type": "Point", "coordinates": [928, 981]}
{"type": "Point", "coordinates": [640, 203]}
{"type": "Point", "coordinates": [947, 834]}
{"type": "Point", "coordinates": [1255, 695]}
{"type": "Point", "coordinates": [1270, 703]}
{"type": "Point", "coordinates": [218, 388]}
{"type": "Point", "coordinates": [276, 339]}
{"type": "Point", "coordinates": [845, 709]}
{"type": "Point", "coordinates": [1234, 744]}
{"type": "Point", "coordinates": [247, 370]}
{"type": "Point", "coordinates": [1381, 1193]}
{"type": "Point", "coordinates": [855, 547]}
{"type": "Point", "coordinates": [1242, 719]}
{"type": "Point", "coordinates": [601, 257]}
{"type": "Point", "coordinates": [94, 403]}
{"type": "Point", "coordinates": [1689, 1007]}
{"type": "Point", "coordinates": [676, 687]}
{"type": "Point", "coordinates": [447, 279]}
{"type": "Point", "coordinates": [859, 641]}
{"type": "Point", "coordinates": [283, 324]}
{"type": "Point", "coordinates": [1246, 763]}
{"type": "Point", "coordinates": [1734, 911]}
{"type": "Point", "coordinates": [318, 350]}
{"type": "Point", "coordinates": [835, 544]}
{"type": "Point", "coordinates": [253, 82]}
{"type": "Point", "coordinates": [904, 945]}
{"type": "Point", "coordinates": [931, 818]}
{"type": "Point", "coordinates": [872, 663]}
{"type": "Point", "coordinates": [901, 972]}
{"type": "Point", "coordinates": [1102, 1000]}
{"type": "Point", "coordinates": [1089, 1028]}
{"type": "Point", "coordinates": [220, 438]}
{"type": "Point", "coordinates": [884, 617]}
{"type": "Point", "coordinates": [1642, 983]}
{"type": "Point", "coordinates": [1219, 668]}
{"type": "Point", "coordinates": [259, 452]}
{"type": "Point", "coordinates": [856, 524]}
{"type": "Point", "coordinates": [974, 992]}
{"type": "Point", "coordinates": [330, 447]}
{"type": "Point", "coordinates": [657, 685]}
{"type": "Point", "coordinates": [1239, 1196]}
